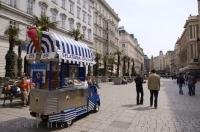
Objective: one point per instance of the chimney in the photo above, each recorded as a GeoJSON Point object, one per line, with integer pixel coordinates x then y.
{"type": "Point", "coordinates": [198, 7]}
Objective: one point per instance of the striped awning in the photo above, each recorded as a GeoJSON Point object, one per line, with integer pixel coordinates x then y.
{"type": "Point", "coordinates": [67, 50]}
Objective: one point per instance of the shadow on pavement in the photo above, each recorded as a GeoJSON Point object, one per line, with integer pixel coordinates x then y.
{"type": "Point", "coordinates": [143, 108]}
{"type": "Point", "coordinates": [184, 109]}
{"type": "Point", "coordinates": [129, 105]}
{"type": "Point", "coordinates": [24, 124]}
{"type": "Point", "coordinates": [14, 104]}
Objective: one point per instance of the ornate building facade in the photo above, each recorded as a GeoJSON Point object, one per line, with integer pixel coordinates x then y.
{"type": "Point", "coordinates": [187, 48]}
{"type": "Point", "coordinates": [105, 28]}
{"type": "Point", "coordinates": [69, 14]}
{"type": "Point", "coordinates": [130, 47]}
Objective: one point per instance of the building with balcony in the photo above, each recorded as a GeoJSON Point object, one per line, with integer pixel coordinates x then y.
{"type": "Point", "coordinates": [188, 46]}
{"type": "Point", "coordinates": [146, 65]}
{"type": "Point", "coordinates": [69, 14]}
{"type": "Point", "coordinates": [105, 28]}
{"type": "Point", "coordinates": [130, 47]}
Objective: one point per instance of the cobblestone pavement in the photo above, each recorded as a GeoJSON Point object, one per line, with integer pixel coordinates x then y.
{"type": "Point", "coordinates": [119, 112]}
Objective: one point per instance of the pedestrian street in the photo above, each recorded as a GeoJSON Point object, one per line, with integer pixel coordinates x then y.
{"type": "Point", "coordinates": [119, 112]}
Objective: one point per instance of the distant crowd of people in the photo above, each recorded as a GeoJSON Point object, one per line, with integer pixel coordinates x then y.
{"type": "Point", "coordinates": [19, 87]}
{"type": "Point", "coordinates": [153, 86]}
{"type": "Point", "coordinates": [188, 80]}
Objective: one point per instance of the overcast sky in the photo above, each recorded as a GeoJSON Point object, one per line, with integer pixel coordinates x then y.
{"type": "Point", "coordinates": [155, 23]}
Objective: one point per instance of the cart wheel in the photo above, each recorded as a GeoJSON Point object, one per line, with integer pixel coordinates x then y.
{"type": "Point", "coordinates": [96, 108]}
{"type": "Point", "coordinates": [69, 123]}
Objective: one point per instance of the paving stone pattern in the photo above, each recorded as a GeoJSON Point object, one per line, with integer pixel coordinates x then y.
{"type": "Point", "coordinates": [119, 112]}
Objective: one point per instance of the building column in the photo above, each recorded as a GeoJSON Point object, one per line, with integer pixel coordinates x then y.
{"type": "Point", "coordinates": [194, 51]}
{"type": "Point", "coordinates": [190, 54]}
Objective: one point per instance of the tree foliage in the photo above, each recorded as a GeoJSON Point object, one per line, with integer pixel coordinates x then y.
{"type": "Point", "coordinates": [12, 33]}
{"type": "Point", "coordinates": [76, 34]}
{"type": "Point", "coordinates": [96, 66]}
{"type": "Point", "coordinates": [118, 54]}
{"type": "Point", "coordinates": [133, 68]}
{"type": "Point", "coordinates": [43, 23]}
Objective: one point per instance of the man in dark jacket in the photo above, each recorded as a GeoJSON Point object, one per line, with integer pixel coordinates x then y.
{"type": "Point", "coordinates": [139, 89]}
{"type": "Point", "coordinates": [180, 82]}
{"type": "Point", "coordinates": [191, 84]}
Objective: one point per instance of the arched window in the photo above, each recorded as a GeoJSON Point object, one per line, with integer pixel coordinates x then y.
{"type": "Point", "coordinates": [30, 6]}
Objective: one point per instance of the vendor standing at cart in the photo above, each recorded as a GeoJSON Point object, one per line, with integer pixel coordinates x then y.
{"type": "Point", "coordinates": [25, 88]}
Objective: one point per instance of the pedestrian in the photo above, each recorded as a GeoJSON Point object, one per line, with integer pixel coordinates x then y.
{"type": "Point", "coordinates": [154, 87]}
{"type": "Point", "coordinates": [25, 88]}
{"type": "Point", "coordinates": [191, 84]}
{"type": "Point", "coordinates": [139, 89]}
{"type": "Point", "coordinates": [186, 79]}
{"type": "Point", "coordinates": [180, 82]}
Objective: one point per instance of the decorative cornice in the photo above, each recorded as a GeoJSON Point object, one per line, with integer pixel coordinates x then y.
{"type": "Point", "coordinates": [110, 9]}
{"type": "Point", "coordinates": [16, 11]}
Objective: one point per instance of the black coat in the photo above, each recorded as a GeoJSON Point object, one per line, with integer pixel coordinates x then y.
{"type": "Point", "coordinates": [139, 82]}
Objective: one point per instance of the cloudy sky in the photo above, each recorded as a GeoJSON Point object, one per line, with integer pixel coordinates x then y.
{"type": "Point", "coordinates": [155, 23]}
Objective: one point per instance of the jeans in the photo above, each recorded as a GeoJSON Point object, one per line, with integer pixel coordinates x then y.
{"type": "Point", "coordinates": [191, 88]}
{"type": "Point", "coordinates": [154, 93]}
{"type": "Point", "coordinates": [140, 95]}
{"type": "Point", "coordinates": [180, 88]}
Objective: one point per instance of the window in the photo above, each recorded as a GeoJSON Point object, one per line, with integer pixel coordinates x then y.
{"type": "Point", "coordinates": [95, 30]}
{"type": "Point", "coordinates": [71, 7]}
{"type": "Point", "coordinates": [79, 2]}
{"type": "Point", "coordinates": [13, 3]}
{"type": "Point", "coordinates": [78, 12]}
{"type": "Point", "coordinates": [95, 18]}
{"type": "Point", "coordinates": [71, 23]}
{"type": "Point", "coordinates": [63, 20]}
{"type": "Point", "coordinates": [54, 1]}
{"type": "Point", "coordinates": [89, 8]}
{"type": "Point", "coordinates": [99, 20]}
{"type": "Point", "coordinates": [63, 4]}
{"type": "Point", "coordinates": [123, 45]}
{"type": "Point", "coordinates": [30, 4]}
{"type": "Point", "coordinates": [84, 3]}
{"type": "Point", "coordinates": [89, 34]}
{"type": "Point", "coordinates": [197, 31]}
{"type": "Point", "coordinates": [193, 31]}
{"type": "Point", "coordinates": [84, 16]}
{"type": "Point", "coordinates": [43, 9]}
{"type": "Point", "coordinates": [84, 31]}
{"type": "Point", "coordinates": [78, 25]}
{"type": "Point", "coordinates": [89, 19]}
{"type": "Point", "coordinates": [99, 32]}
{"type": "Point", "coordinates": [54, 13]}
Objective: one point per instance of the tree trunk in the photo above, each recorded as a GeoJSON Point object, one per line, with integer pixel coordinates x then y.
{"type": "Point", "coordinates": [128, 68]}
{"type": "Point", "coordinates": [10, 64]}
{"type": "Point", "coordinates": [19, 62]}
{"type": "Point", "coordinates": [118, 63]}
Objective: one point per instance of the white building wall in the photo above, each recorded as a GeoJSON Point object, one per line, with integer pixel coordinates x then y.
{"type": "Point", "coordinates": [20, 16]}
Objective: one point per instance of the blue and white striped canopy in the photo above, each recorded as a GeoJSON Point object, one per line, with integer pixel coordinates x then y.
{"type": "Point", "coordinates": [67, 49]}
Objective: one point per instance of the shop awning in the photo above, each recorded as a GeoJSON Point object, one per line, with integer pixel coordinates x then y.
{"type": "Point", "coordinates": [65, 49]}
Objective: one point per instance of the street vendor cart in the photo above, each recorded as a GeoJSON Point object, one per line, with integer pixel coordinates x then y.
{"type": "Point", "coordinates": [59, 73]}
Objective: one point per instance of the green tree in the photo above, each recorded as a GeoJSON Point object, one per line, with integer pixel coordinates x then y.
{"type": "Point", "coordinates": [43, 23]}
{"type": "Point", "coordinates": [118, 53]}
{"type": "Point", "coordinates": [105, 60]}
{"type": "Point", "coordinates": [76, 34]}
{"type": "Point", "coordinates": [125, 57]}
{"type": "Point", "coordinates": [19, 58]}
{"type": "Point", "coordinates": [133, 68]}
{"type": "Point", "coordinates": [128, 69]}
{"type": "Point", "coordinates": [96, 66]}
{"type": "Point", "coordinates": [12, 33]}
{"type": "Point", "coordinates": [111, 61]}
